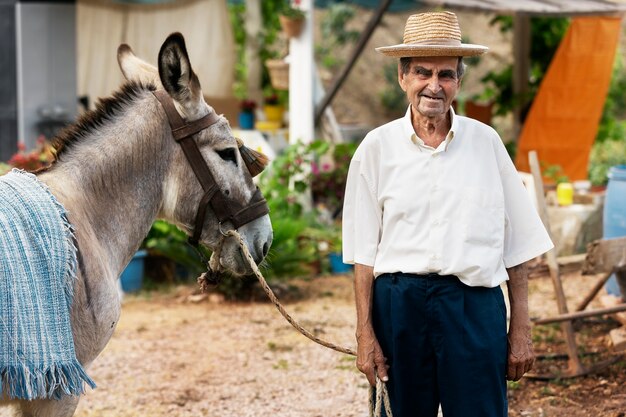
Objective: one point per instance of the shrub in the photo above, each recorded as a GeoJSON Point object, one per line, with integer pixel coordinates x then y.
{"type": "Point", "coordinates": [316, 172]}
{"type": "Point", "coordinates": [168, 241]}
{"type": "Point", "coordinates": [603, 156]}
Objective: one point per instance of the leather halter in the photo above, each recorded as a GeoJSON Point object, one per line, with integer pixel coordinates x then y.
{"type": "Point", "coordinates": [225, 208]}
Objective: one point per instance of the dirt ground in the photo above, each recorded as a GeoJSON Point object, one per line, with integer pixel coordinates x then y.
{"type": "Point", "coordinates": [178, 354]}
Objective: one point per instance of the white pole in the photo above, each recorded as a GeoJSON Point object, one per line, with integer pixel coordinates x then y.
{"type": "Point", "coordinates": [301, 80]}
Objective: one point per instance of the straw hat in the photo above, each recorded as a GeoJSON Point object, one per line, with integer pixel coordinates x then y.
{"type": "Point", "coordinates": [432, 34]}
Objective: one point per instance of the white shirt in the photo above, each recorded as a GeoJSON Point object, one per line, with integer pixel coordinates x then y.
{"type": "Point", "coordinates": [460, 209]}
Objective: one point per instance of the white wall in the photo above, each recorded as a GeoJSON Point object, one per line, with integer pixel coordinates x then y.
{"type": "Point", "coordinates": [46, 63]}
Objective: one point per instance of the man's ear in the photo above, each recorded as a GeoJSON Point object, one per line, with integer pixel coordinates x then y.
{"type": "Point", "coordinates": [401, 79]}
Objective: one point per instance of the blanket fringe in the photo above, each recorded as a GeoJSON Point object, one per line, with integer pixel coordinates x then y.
{"type": "Point", "coordinates": [55, 381]}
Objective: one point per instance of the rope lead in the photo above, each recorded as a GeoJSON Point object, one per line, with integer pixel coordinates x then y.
{"type": "Point", "coordinates": [379, 397]}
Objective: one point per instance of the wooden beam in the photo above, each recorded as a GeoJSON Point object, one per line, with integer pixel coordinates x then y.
{"type": "Point", "coordinates": [618, 339]}
{"type": "Point", "coordinates": [521, 68]}
{"type": "Point", "coordinates": [365, 36]}
{"type": "Point", "coordinates": [605, 255]}
{"type": "Point", "coordinates": [568, 317]}
{"type": "Point", "coordinates": [594, 291]}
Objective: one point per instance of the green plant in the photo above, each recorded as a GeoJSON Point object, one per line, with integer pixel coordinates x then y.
{"type": "Point", "coordinates": [168, 241]}
{"type": "Point", "coordinates": [546, 34]}
{"type": "Point", "coordinates": [271, 99]}
{"type": "Point", "coordinates": [237, 20]}
{"type": "Point", "coordinates": [266, 39]}
{"type": "Point", "coordinates": [292, 11]}
{"type": "Point", "coordinates": [329, 172]}
{"type": "Point", "coordinates": [392, 98]}
{"type": "Point", "coordinates": [247, 105]}
{"type": "Point", "coordinates": [335, 34]}
{"type": "Point", "coordinates": [612, 125]}
{"type": "Point", "coordinates": [604, 155]}
{"type": "Point", "coordinates": [555, 173]}
{"type": "Point", "coordinates": [300, 173]}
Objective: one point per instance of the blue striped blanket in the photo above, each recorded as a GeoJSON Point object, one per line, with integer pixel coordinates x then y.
{"type": "Point", "coordinates": [37, 273]}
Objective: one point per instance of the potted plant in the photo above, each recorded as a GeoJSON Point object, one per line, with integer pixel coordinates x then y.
{"type": "Point", "coordinates": [278, 70]}
{"type": "Point", "coordinates": [273, 109]}
{"type": "Point", "coordinates": [38, 158]}
{"type": "Point", "coordinates": [292, 19]}
{"type": "Point", "coordinates": [246, 114]}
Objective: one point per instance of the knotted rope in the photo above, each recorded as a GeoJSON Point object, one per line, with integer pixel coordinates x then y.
{"type": "Point", "coordinates": [377, 400]}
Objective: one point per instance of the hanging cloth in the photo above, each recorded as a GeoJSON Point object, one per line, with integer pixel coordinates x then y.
{"type": "Point", "coordinates": [563, 120]}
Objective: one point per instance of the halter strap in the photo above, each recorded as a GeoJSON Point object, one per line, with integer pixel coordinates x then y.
{"type": "Point", "coordinates": [225, 208]}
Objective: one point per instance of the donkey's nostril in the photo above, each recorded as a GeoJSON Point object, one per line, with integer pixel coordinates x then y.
{"type": "Point", "coordinates": [266, 248]}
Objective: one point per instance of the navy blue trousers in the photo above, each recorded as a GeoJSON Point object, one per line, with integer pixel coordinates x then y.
{"type": "Point", "coordinates": [445, 343]}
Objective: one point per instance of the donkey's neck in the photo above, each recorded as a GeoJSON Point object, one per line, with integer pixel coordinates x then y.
{"type": "Point", "coordinates": [111, 182]}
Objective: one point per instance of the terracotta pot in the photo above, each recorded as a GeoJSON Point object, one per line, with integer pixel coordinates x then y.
{"type": "Point", "coordinates": [480, 112]}
{"type": "Point", "coordinates": [292, 27]}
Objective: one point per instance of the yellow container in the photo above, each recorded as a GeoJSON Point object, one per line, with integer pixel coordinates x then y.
{"type": "Point", "coordinates": [565, 194]}
{"type": "Point", "coordinates": [274, 113]}
{"type": "Point", "coordinates": [266, 126]}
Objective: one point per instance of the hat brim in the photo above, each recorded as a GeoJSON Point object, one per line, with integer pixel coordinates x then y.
{"type": "Point", "coordinates": [407, 50]}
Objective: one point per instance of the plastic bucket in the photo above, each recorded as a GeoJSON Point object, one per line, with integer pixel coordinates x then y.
{"type": "Point", "coordinates": [246, 120]}
{"type": "Point", "coordinates": [132, 277]}
{"type": "Point", "coordinates": [614, 220]}
{"type": "Point", "coordinates": [336, 264]}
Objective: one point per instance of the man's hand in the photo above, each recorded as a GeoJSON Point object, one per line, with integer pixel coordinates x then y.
{"type": "Point", "coordinates": [520, 353]}
{"type": "Point", "coordinates": [370, 359]}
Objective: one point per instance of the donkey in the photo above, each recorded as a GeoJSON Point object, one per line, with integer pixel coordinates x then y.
{"type": "Point", "coordinates": [118, 169]}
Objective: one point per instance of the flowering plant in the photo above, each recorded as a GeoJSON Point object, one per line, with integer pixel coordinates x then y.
{"type": "Point", "coordinates": [38, 158]}
{"type": "Point", "coordinates": [247, 105]}
{"type": "Point", "coordinates": [292, 10]}
{"type": "Point", "coordinates": [329, 174]}
{"type": "Point", "coordinates": [271, 99]}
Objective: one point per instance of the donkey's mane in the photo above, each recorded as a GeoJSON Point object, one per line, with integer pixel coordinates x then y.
{"type": "Point", "coordinates": [106, 110]}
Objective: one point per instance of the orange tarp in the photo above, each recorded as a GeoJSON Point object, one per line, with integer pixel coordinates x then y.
{"type": "Point", "coordinates": [563, 120]}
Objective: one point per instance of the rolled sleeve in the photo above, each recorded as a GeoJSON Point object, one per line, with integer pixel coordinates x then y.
{"type": "Point", "coordinates": [362, 218]}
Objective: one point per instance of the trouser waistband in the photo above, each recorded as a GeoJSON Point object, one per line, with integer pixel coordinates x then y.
{"type": "Point", "coordinates": [431, 275]}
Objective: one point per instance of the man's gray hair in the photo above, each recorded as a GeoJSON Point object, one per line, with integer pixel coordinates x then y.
{"type": "Point", "coordinates": [405, 64]}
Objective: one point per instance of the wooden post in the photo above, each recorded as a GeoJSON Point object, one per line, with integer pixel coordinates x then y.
{"type": "Point", "coordinates": [575, 367]}
{"type": "Point", "coordinates": [521, 67]}
{"type": "Point", "coordinates": [301, 80]}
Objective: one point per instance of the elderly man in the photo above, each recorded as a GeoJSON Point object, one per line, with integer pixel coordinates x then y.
{"type": "Point", "coordinates": [435, 219]}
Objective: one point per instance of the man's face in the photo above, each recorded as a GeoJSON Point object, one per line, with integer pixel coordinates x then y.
{"type": "Point", "coordinates": [430, 85]}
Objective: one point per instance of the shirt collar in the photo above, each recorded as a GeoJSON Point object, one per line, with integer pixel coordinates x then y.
{"type": "Point", "coordinates": [407, 126]}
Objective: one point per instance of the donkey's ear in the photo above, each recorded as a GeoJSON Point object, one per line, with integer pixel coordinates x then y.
{"type": "Point", "coordinates": [175, 71]}
{"type": "Point", "coordinates": [136, 69]}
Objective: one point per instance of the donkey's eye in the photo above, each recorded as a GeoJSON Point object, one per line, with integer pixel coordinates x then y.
{"type": "Point", "coordinates": [228, 154]}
